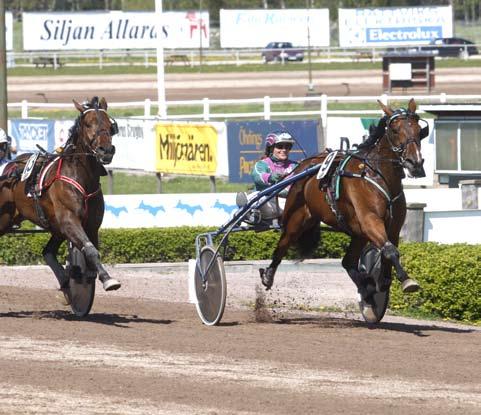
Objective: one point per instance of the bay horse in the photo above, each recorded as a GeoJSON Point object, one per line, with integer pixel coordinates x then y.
{"type": "Point", "coordinates": [62, 194]}
{"type": "Point", "coordinates": [364, 199]}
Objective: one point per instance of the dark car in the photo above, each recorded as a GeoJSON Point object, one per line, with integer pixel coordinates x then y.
{"type": "Point", "coordinates": [282, 51]}
{"type": "Point", "coordinates": [452, 46]}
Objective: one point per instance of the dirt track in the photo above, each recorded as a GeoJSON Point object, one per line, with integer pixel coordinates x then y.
{"type": "Point", "coordinates": [140, 354]}
{"type": "Point", "coordinates": [122, 88]}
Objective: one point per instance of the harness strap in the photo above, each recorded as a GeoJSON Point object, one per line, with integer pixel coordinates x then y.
{"type": "Point", "coordinates": [58, 176]}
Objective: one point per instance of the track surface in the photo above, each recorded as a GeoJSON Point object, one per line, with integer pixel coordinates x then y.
{"type": "Point", "coordinates": [143, 350]}
{"type": "Point", "coordinates": [124, 88]}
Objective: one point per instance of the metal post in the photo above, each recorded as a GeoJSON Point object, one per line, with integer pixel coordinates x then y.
{"type": "Point", "coordinates": [267, 108]}
{"type": "Point", "coordinates": [3, 70]}
{"type": "Point", "coordinates": [200, 35]}
{"type": "Point", "coordinates": [310, 86]}
{"type": "Point", "coordinates": [162, 108]}
{"type": "Point", "coordinates": [159, 182]}
{"type": "Point", "coordinates": [212, 184]}
{"type": "Point", "coordinates": [110, 182]}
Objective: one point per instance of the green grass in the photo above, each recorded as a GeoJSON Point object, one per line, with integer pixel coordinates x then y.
{"type": "Point", "coordinates": [124, 184]}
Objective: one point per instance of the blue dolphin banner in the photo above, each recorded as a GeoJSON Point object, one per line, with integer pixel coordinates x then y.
{"type": "Point", "coordinates": [245, 143]}
{"type": "Point", "coordinates": [28, 133]}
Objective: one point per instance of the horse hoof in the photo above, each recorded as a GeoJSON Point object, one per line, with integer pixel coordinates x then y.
{"type": "Point", "coordinates": [267, 278]}
{"type": "Point", "coordinates": [410, 286]}
{"type": "Point", "coordinates": [111, 284]}
{"type": "Point", "coordinates": [64, 297]}
{"type": "Point", "coordinates": [368, 312]}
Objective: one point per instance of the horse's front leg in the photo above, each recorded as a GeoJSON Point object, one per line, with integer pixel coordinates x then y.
{"type": "Point", "coordinates": [79, 238]}
{"type": "Point", "coordinates": [374, 229]}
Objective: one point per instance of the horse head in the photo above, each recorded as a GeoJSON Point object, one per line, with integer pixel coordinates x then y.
{"type": "Point", "coordinates": [404, 135]}
{"type": "Point", "coordinates": [95, 129]}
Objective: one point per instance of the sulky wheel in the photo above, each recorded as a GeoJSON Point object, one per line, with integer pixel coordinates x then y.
{"type": "Point", "coordinates": [212, 293]}
{"type": "Point", "coordinates": [81, 290]}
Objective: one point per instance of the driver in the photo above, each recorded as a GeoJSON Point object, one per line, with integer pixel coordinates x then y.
{"type": "Point", "coordinates": [5, 150]}
{"type": "Point", "coordinates": [274, 164]}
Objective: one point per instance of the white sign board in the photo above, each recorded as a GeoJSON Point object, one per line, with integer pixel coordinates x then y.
{"type": "Point", "coordinates": [256, 28]}
{"type": "Point", "coordinates": [394, 26]}
{"type": "Point", "coordinates": [113, 30]}
{"type": "Point", "coordinates": [400, 71]}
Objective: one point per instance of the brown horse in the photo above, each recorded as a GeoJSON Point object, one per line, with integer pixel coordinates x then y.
{"type": "Point", "coordinates": [364, 199]}
{"type": "Point", "coordinates": [62, 194]}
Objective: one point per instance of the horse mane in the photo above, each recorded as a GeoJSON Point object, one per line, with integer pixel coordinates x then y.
{"type": "Point", "coordinates": [375, 134]}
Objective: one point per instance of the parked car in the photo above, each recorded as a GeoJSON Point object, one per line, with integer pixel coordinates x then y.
{"type": "Point", "coordinates": [282, 51]}
{"type": "Point", "coordinates": [452, 46]}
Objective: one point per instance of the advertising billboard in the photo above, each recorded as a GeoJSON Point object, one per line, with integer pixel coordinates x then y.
{"type": "Point", "coordinates": [246, 143]}
{"type": "Point", "coordinates": [394, 26]}
{"type": "Point", "coordinates": [114, 30]}
{"type": "Point", "coordinates": [256, 28]}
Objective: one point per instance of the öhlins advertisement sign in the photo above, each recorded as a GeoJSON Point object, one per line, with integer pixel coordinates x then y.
{"type": "Point", "coordinates": [186, 149]}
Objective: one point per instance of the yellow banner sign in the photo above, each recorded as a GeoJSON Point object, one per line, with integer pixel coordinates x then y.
{"type": "Point", "coordinates": [186, 149]}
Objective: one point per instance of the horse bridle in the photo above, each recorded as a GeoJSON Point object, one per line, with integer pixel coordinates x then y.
{"type": "Point", "coordinates": [114, 128]}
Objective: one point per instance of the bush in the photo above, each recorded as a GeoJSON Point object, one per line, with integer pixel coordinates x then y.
{"type": "Point", "coordinates": [450, 279]}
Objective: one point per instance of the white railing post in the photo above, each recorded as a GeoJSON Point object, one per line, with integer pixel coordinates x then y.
{"type": "Point", "coordinates": [24, 111]}
{"type": "Point", "coordinates": [206, 105]}
{"type": "Point", "coordinates": [55, 61]}
{"type": "Point", "coordinates": [237, 60]}
{"type": "Point", "coordinates": [267, 107]}
{"type": "Point", "coordinates": [146, 59]}
{"type": "Point", "coordinates": [442, 98]}
{"type": "Point", "coordinates": [324, 111]}
{"type": "Point", "coordinates": [147, 107]}
{"type": "Point", "coordinates": [100, 60]}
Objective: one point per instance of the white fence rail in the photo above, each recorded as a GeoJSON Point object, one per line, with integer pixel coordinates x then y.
{"type": "Point", "coordinates": [207, 114]}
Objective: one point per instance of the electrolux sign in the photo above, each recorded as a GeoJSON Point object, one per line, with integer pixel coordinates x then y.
{"type": "Point", "coordinates": [394, 25]}
{"type": "Point", "coordinates": [402, 34]}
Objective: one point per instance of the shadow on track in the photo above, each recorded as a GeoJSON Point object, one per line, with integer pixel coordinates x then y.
{"type": "Point", "coordinates": [117, 320]}
{"type": "Point", "coordinates": [417, 329]}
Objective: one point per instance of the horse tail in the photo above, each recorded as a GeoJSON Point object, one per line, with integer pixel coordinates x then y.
{"type": "Point", "coordinates": [308, 241]}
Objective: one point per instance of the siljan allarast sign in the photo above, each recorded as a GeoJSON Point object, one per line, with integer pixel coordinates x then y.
{"type": "Point", "coordinates": [113, 30]}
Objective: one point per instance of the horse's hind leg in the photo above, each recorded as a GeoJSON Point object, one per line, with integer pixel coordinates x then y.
{"type": "Point", "coordinates": [350, 261]}
{"type": "Point", "coordinates": [293, 229]}
{"type": "Point", "coordinates": [50, 255]}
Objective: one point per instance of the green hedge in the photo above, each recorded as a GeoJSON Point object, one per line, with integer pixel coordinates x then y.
{"type": "Point", "coordinates": [450, 275]}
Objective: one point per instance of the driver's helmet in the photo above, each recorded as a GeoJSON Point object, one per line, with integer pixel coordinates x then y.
{"type": "Point", "coordinates": [3, 140]}
{"type": "Point", "coordinates": [278, 137]}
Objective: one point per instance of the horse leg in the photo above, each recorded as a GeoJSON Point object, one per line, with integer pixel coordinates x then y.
{"type": "Point", "coordinates": [294, 227]}
{"type": "Point", "coordinates": [77, 235]}
{"type": "Point", "coordinates": [350, 261]}
{"type": "Point", "coordinates": [374, 229]}
{"type": "Point", "coordinates": [93, 260]}
{"type": "Point", "coordinates": [391, 253]}
{"type": "Point", "coordinates": [50, 255]}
